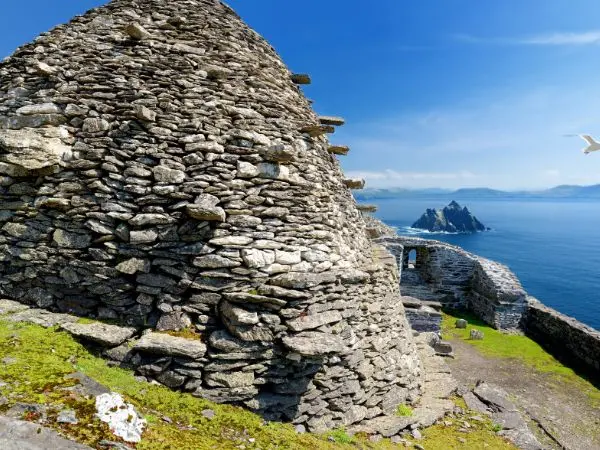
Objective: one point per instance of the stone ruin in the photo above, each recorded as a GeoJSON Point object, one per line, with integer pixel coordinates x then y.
{"type": "Point", "coordinates": [161, 169]}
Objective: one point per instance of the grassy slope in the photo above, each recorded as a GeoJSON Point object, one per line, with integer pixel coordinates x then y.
{"type": "Point", "coordinates": [500, 345]}
{"type": "Point", "coordinates": [37, 361]}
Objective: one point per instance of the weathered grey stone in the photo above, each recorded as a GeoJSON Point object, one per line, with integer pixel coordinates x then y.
{"type": "Point", "coordinates": [30, 151]}
{"type": "Point", "coordinates": [40, 108]}
{"type": "Point", "coordinates": [354, 183]}
{"type": "Point", "coordinates": [142, 236]}
{"type": "Point", "coordinates": [311, 343]}
{"type": "Point", "coordinates": [230, 380]}
{"type": "Point", "coordinates": [133, 266]}
{"type": "Point", "coordinates": [231, 241]}
{"type": "Point", "coordinates": [101, 333]}
{"type": "Point", "coordinates": [95, 125]}
{"type": "Point", "coordinates": [298, 280]}
{"type": "Point", "coordinates": [21, 435]}
{"type": "Point", "coordinates": [215, 262]}
{"type": "Point", "coordinates": [256, 259]}
{"type": "Point", "coordinates": [10, 306]}
{"type": "Point", "coordinates": [330, 120]}
{"type": "Point", "coordinates": [173, 321]}
{"type": "Point", "coordinates": [461, 323]}
{"type": "Point", "coordinates": [67, 239]}
{"type": "Point", "coordinates": [238, 316]}
{"type": "Point", "coordinates": [278, 153]}
{"type": "Point", "coordinates": [164, 344]}
{"type": "Point", "coordinates": [301, 78]}
{"type": "Point", "coordinates": [443, 347]}
{"type": "Point", "coordinates": [164, 174]}
{"type": "Point", "coordinates": [494, 396]}
{"type": "Point", "coordinates": [136, 31]}
{"type": "Point", "coordinates": [312, 321]}
{"type": "Point", "coordinates": [476, 335]}
{"type": "Point", "coordinates": [222, 340]}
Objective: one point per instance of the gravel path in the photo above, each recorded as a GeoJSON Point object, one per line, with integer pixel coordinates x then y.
{"type": "Point", "coordinates": [562, 416]}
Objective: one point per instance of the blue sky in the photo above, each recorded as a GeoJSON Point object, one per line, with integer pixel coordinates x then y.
{"type": "Point", "coordinates": [449, 93]}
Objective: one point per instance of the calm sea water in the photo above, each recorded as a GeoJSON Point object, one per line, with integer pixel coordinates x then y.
{"type": "Point", "coordinates": [552, 246]}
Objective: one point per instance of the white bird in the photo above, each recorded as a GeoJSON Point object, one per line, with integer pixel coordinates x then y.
{"type": "Point", "coordinates": [593, 146]}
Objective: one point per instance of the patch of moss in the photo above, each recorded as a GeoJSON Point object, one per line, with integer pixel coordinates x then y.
{"type": "Point", "coordinates": [188, 333]}
{"type": "Point", "coordinates": [43, 357]}
{"type": "Point", "coordinates": [479, 435]}
{"type": "Point", "coordinates": [502, 345]}
{"type": "Point", "coordinates": [404, 410]}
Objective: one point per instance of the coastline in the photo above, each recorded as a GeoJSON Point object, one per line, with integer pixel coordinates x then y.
{"type": "Point", "coordinates": [493, 293]}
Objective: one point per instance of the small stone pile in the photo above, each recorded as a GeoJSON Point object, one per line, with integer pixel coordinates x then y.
{"type": "Point", "coordinates": [161, 168]}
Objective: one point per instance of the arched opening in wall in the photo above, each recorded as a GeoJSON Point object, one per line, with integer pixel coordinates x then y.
{"type": "Point", "coordinates": [412, 259]}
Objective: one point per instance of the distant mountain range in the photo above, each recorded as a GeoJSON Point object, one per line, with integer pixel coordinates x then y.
{"type": "Point", "coordinates": [558, 192]}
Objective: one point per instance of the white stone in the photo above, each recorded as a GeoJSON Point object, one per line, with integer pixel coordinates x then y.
{"type": "Point", "coordinates": [164, 174]}
{"type": "Point", "coordinates": [42, 108]}
{"type": "Point", "coordinates": [231, 241]}
{"type": "Point", "coordinates": [273, 171]}
{"type": "Point", "coordinates": [289, 258]}
{"type": "Point", "coordinates": [255, 259]}
{"type": "Point", "coordinates": [246, 170]}
{"type": "Point", "coordinates": [29, 150]}
{"type": "Point", "coordinates": [122, 418]}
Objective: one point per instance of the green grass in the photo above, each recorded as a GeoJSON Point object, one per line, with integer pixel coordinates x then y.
{"type": "Point", "coordinates": [480, 435]}
{"type": "Point", "coordinates": [340, 436]}
{"type": "Point", "coordinates": [404, 410]}
{"type": "Point", "coordinates": [501, 345]}
{"type": "Point", "coordinates": [44, 357]}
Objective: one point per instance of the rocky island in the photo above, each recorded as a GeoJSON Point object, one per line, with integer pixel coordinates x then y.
{"type": "Point", "coordinates": [452, 219]}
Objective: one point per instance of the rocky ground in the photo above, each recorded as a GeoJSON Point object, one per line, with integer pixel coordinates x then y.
{"type": "Point", "coordinates": [561, 414]}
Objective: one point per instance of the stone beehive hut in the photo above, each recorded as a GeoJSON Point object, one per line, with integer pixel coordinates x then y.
{"type": "Point", "coordinates": [160, 168]}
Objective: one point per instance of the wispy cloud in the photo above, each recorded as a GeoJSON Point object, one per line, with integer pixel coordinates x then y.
{"type": "Point", "coordinates": [391, 178]}
{"type": "Point", "coordinates": [505, 139]}
{"type": "Point", "coordinates": [557, 39]}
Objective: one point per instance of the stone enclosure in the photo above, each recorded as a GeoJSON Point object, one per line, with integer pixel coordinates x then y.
{"type": "Point", "coordinates": [161, 169]}
{"type": "Point", "coordinates": [446, 276]}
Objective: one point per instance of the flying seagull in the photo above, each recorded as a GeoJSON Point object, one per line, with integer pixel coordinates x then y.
{"type": "Point", "coordinates": [593, 146]}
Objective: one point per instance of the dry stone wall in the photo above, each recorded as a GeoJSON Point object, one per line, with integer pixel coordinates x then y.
{"type": "Point", "coordinates": [159, 168]}
{"type": "Point", "coordinates": [463, 280]}
{"type": "Point", "coordinates": [564, 337]}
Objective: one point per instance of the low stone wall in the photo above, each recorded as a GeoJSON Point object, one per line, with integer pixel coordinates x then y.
{"type": "Point", "coordinates": [464, 280]}
{"type": "Point", "coordinates": [496, 295]}
{"type": "Point", "coordinates": [564, 337]}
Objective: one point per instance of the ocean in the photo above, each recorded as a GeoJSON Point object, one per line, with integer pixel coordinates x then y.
{"type": "Point", "coordinates": [553, 246]}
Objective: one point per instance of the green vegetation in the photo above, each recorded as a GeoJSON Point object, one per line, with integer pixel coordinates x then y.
{"type": "Point", "coordinates": [404, 410]}
{"type": "Point", "coordinates": [501, 345]}
{"type": "Point", "coordinates": [481, 434]}
{"type": "Point", "coordinates": [188, 333]}
{"type": "Point", "coordinates": [340, 436]}
{"type": "Point", "coordinates": [36, 369]}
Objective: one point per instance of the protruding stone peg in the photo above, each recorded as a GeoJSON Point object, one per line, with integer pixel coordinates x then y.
{"type": "Point", "coordinates": [355, 183]}
{"type": "Point", "coordinates": [317, 130]}
{"type": "Point", "coordinates": [338, 149]}
{"type": "Point", "coordinates": [367, 208]}
{"type": "Point", "coordinates": [301, 78]}
{"type": "Point", "coordinates": [329, 120]}
{"type": "Point", "coordinates": [136, 31]}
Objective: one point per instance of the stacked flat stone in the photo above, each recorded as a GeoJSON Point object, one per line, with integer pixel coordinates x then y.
{"type": "Point", "coordinates": [154, 171]}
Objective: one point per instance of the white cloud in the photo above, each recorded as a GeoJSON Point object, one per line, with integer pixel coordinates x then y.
{"type": "Point", "coordinates": [392, 178]}
{"type": "Point", "coordinates": [581, 38]}
{"type": "Point", "coordinates": [503, 139]}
